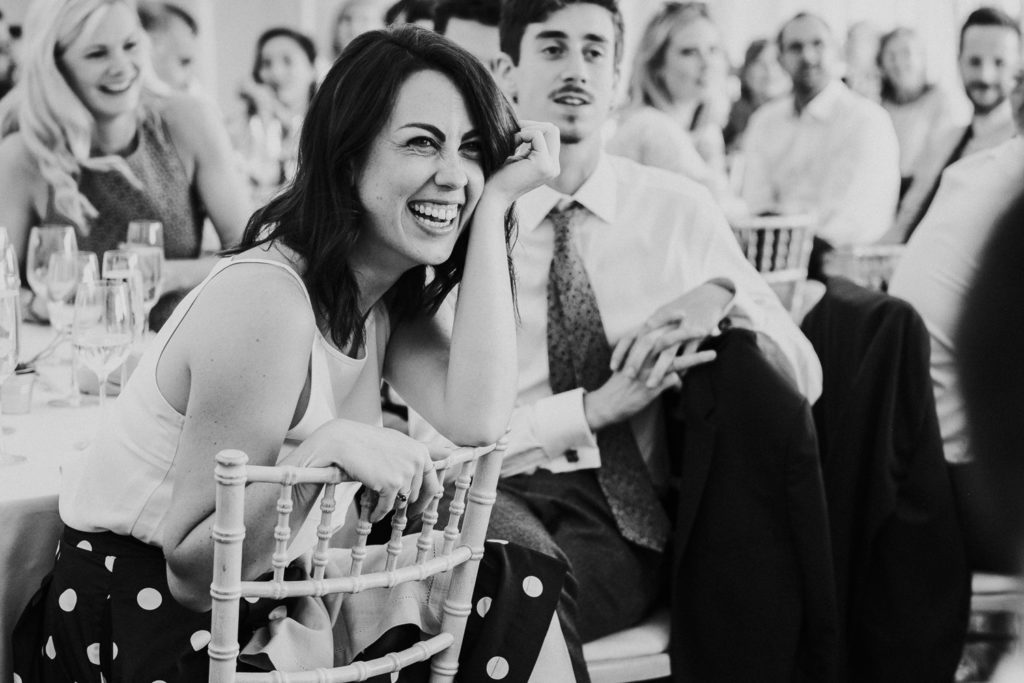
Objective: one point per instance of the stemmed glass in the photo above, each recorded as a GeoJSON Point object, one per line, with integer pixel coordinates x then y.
{"type": "Point", "coordinates": [124, 264]}
{"type": "Point", "coordinates": [102, 327]}
{"type": "Point", "coordinates": [62, 279]}
{"type": "Point", "coordinates": [147, 237]}
{"type": "Point", "coordinates": [10, 275]}
{"type": "Point", "coordinates": [146, 233]}
{"type": "Point", "coordinates": [10, 315]}
{"type": "Point", "coordinates": [42, 241]}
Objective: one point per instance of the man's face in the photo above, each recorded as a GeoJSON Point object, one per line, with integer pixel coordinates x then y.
{"type": "Point", "coordinates": [989, 60]}
{"type": "Point", "coordinates": [566, 72]}
{"type": "Point", "coordinates": [174, 54]}
{"type": "Point", "coordinates": [479, 40]}
{"type": "Point", "coordinates": [808, 55]}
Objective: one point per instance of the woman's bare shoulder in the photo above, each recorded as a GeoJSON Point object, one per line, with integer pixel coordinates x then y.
{"type": "Point", "coordinates": [15, 156]}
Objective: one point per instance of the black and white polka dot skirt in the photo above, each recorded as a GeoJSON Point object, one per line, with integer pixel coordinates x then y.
{"type": "Point", "coordinates": [105, 613]}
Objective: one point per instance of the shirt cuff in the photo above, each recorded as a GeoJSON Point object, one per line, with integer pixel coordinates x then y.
{"type": "Point", "coordinates": [560, 424]}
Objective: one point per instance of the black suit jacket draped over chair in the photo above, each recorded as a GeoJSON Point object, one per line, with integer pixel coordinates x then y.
{"type": "Point", "coordinates": [901, 575]}
{"type": "Point", "coordinates": [752, 586]}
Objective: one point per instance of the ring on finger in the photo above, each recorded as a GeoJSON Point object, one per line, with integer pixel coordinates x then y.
{"type": "Point", "coordinates": [402, 497]}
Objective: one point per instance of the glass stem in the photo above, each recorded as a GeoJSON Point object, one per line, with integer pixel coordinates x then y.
{"type": "Point", "coordinates": [103, 388]}
{"type": "Point", "coordinates": [76, 394]}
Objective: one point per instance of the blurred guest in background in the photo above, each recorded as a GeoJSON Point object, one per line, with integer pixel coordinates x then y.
{"type": "Point", "coordinates": [276, 98]}
{"type": "Point", "coordinates": [173, 35]}
{"type": "Point", "coordinates": [90, 142]}
{"type": "Point", "coordinates": [669, 121]}
{"type": "Point", "coordinates": [419, 12]}
{"type": "Point", "coordinates": [761, 80]}
{"type": "Point", "coordinates": [472, 25]}
{"type": "Point", "coordinates": [353, 18]}
{"type": "Point", "coordinates": [917, 107]}
{"type": "Point", "coordinates": [862, 75]}
{"type": "Point", "coordinates": [7, 63]}
{"type": "Point", "coordinates": [941, 262]}
{"type": "Point", "coordinates": [990, 45]}
{"type": "Point", "coordinates": [824, 149]}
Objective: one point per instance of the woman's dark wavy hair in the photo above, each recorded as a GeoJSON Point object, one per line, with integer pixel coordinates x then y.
{"type": "Point", "coordinates": [319, 215]}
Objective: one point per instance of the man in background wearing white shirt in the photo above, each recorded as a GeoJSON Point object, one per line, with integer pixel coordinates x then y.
{"type": "Point", "coordinates": [823, 150]}
{"type": "Point", "coordinates": [990, 45]}
{"type": "Point", "coordinates": [664, 269]}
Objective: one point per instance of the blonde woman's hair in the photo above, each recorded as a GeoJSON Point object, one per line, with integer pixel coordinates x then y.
{"type": "Point", "coordinates": [646, 83]}
{"type": "Point", "coordinates": [55, 124]}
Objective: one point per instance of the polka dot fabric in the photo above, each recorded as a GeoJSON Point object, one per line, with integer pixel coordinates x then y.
{"type": "Point", "coordinates": [106, 613]}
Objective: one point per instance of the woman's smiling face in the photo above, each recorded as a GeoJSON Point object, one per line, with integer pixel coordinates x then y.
{"type": "Point", "coordinates": [102, 65]}
{"type": "Point", "coordinates": [422, 177]}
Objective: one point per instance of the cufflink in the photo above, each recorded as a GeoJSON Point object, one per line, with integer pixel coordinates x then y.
{"type": "Point", "coordinates": [571, 455]}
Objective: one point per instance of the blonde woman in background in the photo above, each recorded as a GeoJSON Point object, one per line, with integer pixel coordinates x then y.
{"type": "Point", "coordinates": [92, 139]}
{"type": "Point", "coordinates": [677, 99]}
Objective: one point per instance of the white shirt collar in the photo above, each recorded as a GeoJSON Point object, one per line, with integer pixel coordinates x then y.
{"type": "Point", "coordinates": [598, 194]}
{"type": "Point", "coordinates": [822, 107]}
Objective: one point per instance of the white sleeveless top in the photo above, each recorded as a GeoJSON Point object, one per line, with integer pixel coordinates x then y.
{"type": "Point", "coordinates": [124, 483]}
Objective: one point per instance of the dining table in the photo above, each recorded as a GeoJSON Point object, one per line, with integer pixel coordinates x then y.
{"type": "Point", "coordinates": [53, 441]}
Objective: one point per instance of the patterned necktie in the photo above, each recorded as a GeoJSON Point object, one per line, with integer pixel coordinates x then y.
{"type": "Point", "coordinates": [578, 356]}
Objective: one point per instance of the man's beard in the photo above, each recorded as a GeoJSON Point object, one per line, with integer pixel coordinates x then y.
{"type": "Point", "coordinates": [984, 108]}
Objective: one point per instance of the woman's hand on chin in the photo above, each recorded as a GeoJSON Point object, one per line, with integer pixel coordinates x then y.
{"type": "Point", "coordinates": [534, 162]}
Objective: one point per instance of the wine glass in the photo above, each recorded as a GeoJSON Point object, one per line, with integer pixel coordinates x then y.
{"type": "Point", "coordinates": [102, 327]}
{"type": "Point", "coordinates": [10, 315]}
{"type": "Point", "coordinates": [151, 267]}
{"type": "Point", "coordinates": [44, 240]}
{"type": "Point", "coordinates": [146, 233]}
{"type": "Point", "coordinates": [62, 280]}
{"type": "Point", "coordinates": [10, 275]}
{"type": "Point", "coordinates": [123, 264]}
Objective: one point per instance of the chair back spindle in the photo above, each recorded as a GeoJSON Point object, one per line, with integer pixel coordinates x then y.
{"type": "Point", "coordinates": [460, 553]}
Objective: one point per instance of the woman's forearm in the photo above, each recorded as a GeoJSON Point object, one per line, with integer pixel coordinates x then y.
{"type": "Point", "coordinates": [481, 381]}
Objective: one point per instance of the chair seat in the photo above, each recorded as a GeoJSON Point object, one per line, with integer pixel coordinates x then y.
{"type": "Point", "coordinates": [633, 654]}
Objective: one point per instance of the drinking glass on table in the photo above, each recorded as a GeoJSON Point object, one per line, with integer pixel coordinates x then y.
{"type": "Point", "coordinates": [10, 316]}
{"type": "Point", "coordinates": [146, 233]}
{"type": "Point", "coordinates": [125, 264]}
{"type": "Point", "coordinates": [10, 275]}
{"type": "Point", "coordinates": [151, 267]}
{"type": "Point", "coordinates": [44, 240]}
{"type": "Point", "coordinates": [62, 280]}
{"type": "Point", "coordinates": [102, 327]}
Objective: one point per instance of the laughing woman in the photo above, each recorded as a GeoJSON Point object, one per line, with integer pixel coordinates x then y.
{"type": "Point", "coordinates": [409, 163]}
{"type": "Point", "coordinates": [91, 141]}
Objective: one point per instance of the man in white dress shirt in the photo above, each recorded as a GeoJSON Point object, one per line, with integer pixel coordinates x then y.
{"type": "Point", "coordinates": [824, 149]}
{"type": "Point", "coordinates": [664, 269]}
{"type": "Point", "coordinates": [935, 274]}
{"type": "Point", "coordinates": [990, 46]}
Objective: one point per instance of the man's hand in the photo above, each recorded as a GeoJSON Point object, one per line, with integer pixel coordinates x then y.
{"type": "Point", "coordinates": [687, 321]}
{"type": "Point", "coordinates": [622, 396]}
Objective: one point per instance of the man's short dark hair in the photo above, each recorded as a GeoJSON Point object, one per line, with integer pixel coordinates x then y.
{"type": "Point", "coordinates": [516, 15]}
{"type": "Point", "coordinates": [800, 15]}
{"type": "Point", "coordinates": [155, 17]}
{"type": "Point", "coordinates": [486, 12]}
{"type": "Point", "coordinates": [988, 16]}
{"type": "Point", "coordinates": [411, 10]}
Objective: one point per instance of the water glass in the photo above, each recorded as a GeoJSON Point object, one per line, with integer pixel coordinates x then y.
{"type": "Point", "coordinates": [146, 233]}
{"type": "Point", "coordinates": [10, 317]}
{"type": "Point", "coordinates": [10, 275]}
{"type": "Point", "coordinates": [124, 264]}
{"type": "Point", "coordinates": [44, 240]}
{"type": "Point", "coordinates": [102, 327]}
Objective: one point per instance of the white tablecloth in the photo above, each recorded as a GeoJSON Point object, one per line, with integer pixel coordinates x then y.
{"type": "Point", "coordinates": [50, 438]}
